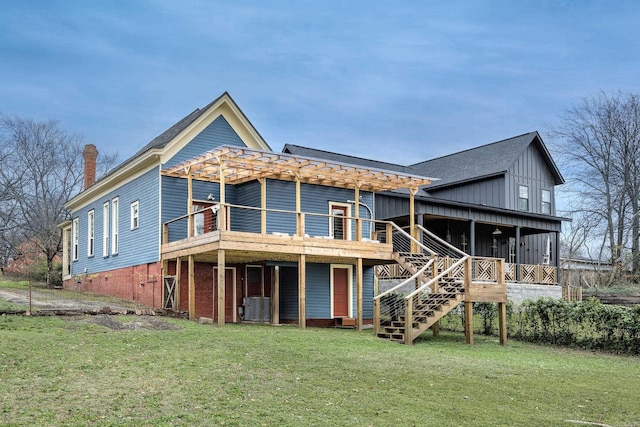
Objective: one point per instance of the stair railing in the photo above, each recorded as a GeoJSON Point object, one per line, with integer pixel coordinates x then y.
{"type": "Point", "coordinates": [412, 299]}
{"type": "Point", "coordinates": [438, 245]}
{"type": "Point", "coordinates": [402, 241]}
{"type": "Point", "coordinates": [391, 308]}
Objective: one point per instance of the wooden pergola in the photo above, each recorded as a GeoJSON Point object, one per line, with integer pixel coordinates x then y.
{"type": "Point", "coordinates": [236, 165]}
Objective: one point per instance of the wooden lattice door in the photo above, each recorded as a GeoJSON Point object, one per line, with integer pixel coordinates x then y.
{"type": "Point", "coordinates": [169, 293]}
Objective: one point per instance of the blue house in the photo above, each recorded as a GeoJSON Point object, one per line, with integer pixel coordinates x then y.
{"type": "Point", "coordinates": [207, 220]}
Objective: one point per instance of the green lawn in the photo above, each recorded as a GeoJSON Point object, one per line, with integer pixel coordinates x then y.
{"type": "Point", "coordinates": [65, 371]}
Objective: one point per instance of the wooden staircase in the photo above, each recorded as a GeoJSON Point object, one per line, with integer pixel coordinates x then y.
{"type": "Point", "coordinates": [437, 288]}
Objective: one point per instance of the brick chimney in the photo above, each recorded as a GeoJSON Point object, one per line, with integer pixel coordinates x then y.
{"type": "Point", "coordinates": [89, 154]}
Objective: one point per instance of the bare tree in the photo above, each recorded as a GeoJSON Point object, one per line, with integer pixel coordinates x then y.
{"type": "Point", "coordinates": [600, 144]}
{"type": "Point", "coordinates": [41, 169]}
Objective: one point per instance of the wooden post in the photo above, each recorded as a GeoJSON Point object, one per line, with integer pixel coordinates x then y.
{"type": "Point", "coordinates": [359, 296]}
{"type": "Point", "coordinates": [502, 321]}
{"type": "Point", "coordinates": [468, 321]}
{"type": "Point", "coordinates": [275, 299]}
{"type": "Point", "coordinates": [178, 272]}
{"type": "Point", "coordinates": [468, 305]}
{"type": "Point", "coordinates": [263, 205]}
{"type": "Point", "coordinates": [192, 289]}
{"type": "Point", "coordinates": [376, 316]}
{"type": "Point", "coordinates": [165, 234]}
{"type": "Point", "coordinates": [357, 213]}
{"type": "Point", "coordinates": [299, 227]}
{"type": "Point", "coordinates": [222, 214]}
{"type": "Point", "coordinates": [302, 309]}
{"type": "Point", "coordinates": [189, 204]}
{"type": "Point", "coordinates": [389, 239]}
{"type": "Point", "coordinates": [412, 219]}
{"type": "Point", "coordinates": [408, 322]}
{"type": "Point", "coordinates": [221, 286]}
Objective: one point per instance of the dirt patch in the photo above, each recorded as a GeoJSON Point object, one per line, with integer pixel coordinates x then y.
{"type": "Point", "coordinates": [51, 299]}
{"type": "Point", "coordinates": [140, 323]}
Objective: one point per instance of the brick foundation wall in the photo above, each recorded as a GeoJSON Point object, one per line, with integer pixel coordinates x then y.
{"type": "Point", "coordinates": [141, 284]}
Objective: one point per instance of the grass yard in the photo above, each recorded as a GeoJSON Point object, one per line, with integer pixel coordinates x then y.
{"type": "Point", "coordinates": [71, 371]}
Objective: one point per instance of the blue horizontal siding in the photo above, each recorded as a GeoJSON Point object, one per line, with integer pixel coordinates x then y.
{"type": "Point", "coordinates": [135, 247]}
{"type": "Point", "coordinates": [217, 133]}
{"type": "Point", "coordinates": [314, 199]}
{"type": "Point", "coordinates": [318, 292]}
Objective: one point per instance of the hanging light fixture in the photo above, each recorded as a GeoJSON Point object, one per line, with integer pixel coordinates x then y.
{"type": "Point", "coordinates": [496, 231]}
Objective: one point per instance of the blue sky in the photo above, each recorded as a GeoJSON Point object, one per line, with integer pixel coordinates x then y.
{"type": "Point", "coordinates": [394, 81]}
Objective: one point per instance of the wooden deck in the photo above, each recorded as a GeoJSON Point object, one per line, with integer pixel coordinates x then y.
{"type": "Point", "coordinates": [250, 247]}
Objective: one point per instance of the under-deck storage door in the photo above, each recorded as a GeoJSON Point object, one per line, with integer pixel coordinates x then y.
{"type": "Point", "coordinates": [341, 291]}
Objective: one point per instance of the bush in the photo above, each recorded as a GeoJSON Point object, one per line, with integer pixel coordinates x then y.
{"type": "Point", "coordinates": [588, 325]}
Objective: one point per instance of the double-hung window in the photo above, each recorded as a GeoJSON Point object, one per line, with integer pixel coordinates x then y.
{"type": "Point", "coordinates": [74, 238]}
{"type": "Point", "coordinates": [114, 225]}
{"type": "Point", "coordinates": [135, 215]}
{"type": "Point", "coordinates": [90, 233]}
{"type": "Point", "coordinates": [105, 229]}
{"type": "Point", "coordinates": [546, 202]}
{"type": "Point", "coordinates": [523, 198]}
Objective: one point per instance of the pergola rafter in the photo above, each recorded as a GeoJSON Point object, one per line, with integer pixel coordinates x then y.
{"type": "Point", "coordinates": [241, 164]}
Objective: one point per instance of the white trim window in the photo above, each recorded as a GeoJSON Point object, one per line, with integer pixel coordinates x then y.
{"type": "Point", "coordinates": [74, 239]}
{"type": "Point", "coordinates": [114, 225]}
{"type": "Point", "coordinates": [339, 224]}
{"type": "Point", "coordinates": [523, 198]}
{"type": "Point", "coordinates": [105, 229]}
{"type": "Point", "coordinates": [546, 202]}
{"type": "Point", "coordinates": [91, 229]}
{"type": "Point", "coordinates": [135, 215]}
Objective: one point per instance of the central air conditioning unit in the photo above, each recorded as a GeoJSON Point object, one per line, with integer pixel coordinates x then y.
{"type": "Point", "coordinates": [257, 309]}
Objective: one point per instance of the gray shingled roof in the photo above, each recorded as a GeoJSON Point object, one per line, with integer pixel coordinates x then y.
{"type": "Point", "coordinates": [344, 158]}
{"type": "Point", "coordinates": [465, 166]}
{"type": "Point", "coordinates": [165, 137]}
{"type": "Point", "coordinates": [483, 161]}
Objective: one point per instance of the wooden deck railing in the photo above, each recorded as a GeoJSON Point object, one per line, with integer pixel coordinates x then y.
{"type": "Point", "coordinates": [275, 221]}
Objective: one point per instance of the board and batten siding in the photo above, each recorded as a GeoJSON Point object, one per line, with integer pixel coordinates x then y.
{"type": "Point", "coordinates": [139, 246]}
{"type": "Point", "coordinates": [490, 192]}
{"type": "Point", "coordinates": [217, 133]}
{"type": "Point", "coordinates": [532, 171]}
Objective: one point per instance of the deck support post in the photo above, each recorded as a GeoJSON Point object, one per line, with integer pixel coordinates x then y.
{"type": "Point", "coordinates": [518, 260]}
{"type": "Point", "coordinates": [192, 289]}
{"type": "Point", "coordinates": [502, 306]}
{"type": "Point", "coordinates": [302, 309]}
{"type": "Point", "coordinates": [468, 321]}
{"type": "Point", "coordinates": [222, 217]}
{"type": "Point", "coordinates": [221, 287]}
{"type": "Point", "coordinates": [468, 305]}
{"type": "Point", "coordinates": [376, 316]}
{"type": "Point", "coordinates": [178, 273]}
{"type": "Point", "coordinates": [408, 322]}
{"type": "Point", "coordinates": [275, 297]}
{"type": "Point", "coordinates": [359, 315]}
{"type": "Point", "coordinates": [502, 322]}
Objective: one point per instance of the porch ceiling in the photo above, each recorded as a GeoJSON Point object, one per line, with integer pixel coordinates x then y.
{"type": "Point", "coordinates": [241, 164]}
